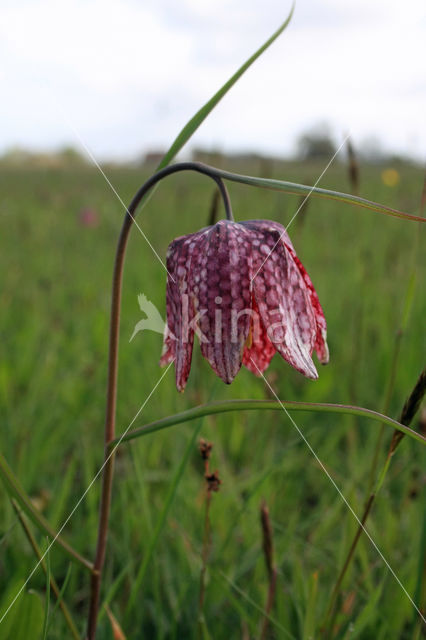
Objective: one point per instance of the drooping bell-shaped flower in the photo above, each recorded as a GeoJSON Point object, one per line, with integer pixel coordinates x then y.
{"type": "Point", "coordinates": [241, 288]}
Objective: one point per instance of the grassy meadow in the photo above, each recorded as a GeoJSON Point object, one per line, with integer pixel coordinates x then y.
{"type": "Point", "coordinates": [369, 272]}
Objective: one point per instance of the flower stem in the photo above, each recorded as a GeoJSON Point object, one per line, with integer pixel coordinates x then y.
{"type": "Point", "coordinates": [109, 451]}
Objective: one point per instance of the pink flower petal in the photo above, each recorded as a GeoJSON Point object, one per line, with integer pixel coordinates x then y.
{"type": "Point", "coordinates": [283, 299]}
{"type": "Point", "coordinates": [179, 336]}
{"type": "Point", "coordinates": [220, 284]}
{"type": "Point", "coordinates": [260, 352]}
{"type": "Point", "coordinates": [168, 352]}
{"type": "Point", "coordinates": [320, 344]}
{"type": "Point", "coordinates": [243, 290]}
{"type": "Point", "coordinates": [269, 225]}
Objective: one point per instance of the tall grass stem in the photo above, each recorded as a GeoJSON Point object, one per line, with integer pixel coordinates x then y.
{"type": "Point", "coordinates": [53, 584]}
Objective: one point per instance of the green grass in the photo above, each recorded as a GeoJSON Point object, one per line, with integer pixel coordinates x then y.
{"type": "Point", "coordinates": [55, 296]}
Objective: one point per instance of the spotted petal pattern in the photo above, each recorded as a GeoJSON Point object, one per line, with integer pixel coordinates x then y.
{"type": "Point", "coordinates": [243, 290]}
{"type": "Point", "coordinates": [320, 345]}
{"type": "Point", "coordinates": [283, 301]}
{"type": "Point", "coordinates": [221, 289]}
{"type": "Point", "coordinates": [259, 351]}
{"type": "Point", "coordinates": [179, 336]}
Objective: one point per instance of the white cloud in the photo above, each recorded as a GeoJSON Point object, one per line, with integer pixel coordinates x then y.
{"type": "Point", "coordinates": [129, 75]}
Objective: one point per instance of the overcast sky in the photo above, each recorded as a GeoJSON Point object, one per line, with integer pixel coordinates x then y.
{"type": "Point", "coordinates": [126, 75]}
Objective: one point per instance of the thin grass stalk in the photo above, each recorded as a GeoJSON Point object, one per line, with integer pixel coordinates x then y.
{"type": "Point", "coordinates": [397, 348]}
{"type": "Point", "coordinates": [205, 451]}
{"type": "Point", "coordinates": [214, 207]}
{"type": "Point", "coordinates": [152, 545]}
{"type": "Point", "coordinates": [47, 595]}
{"type": "Point", "coordinates": [257, 607]}
{"type": "Point", "coordinates": [200, 116]}
{"type": "Point", "coordinates": [302, 208]}
{"type": "Point", "coordinates": [268, 552]}
{"type": "Point", "coordinates": [416, 625]}
{"type": "Point", "coordinates": [353, 167]}
{"type": "Point", "coordinates": [204, 561]}
{"type": "Point", "coordinates": [213, 483]}
{"type": "Point", "coordinates": [386, 404]}
{"type": "Point", "coordinates": [205, 552]}
{"type": "Point", "coordinates": [53, 584]}
{"type": "Point", "coordinates": [408, 412]}
{"type": "Point", "coordinates": [14, 488]}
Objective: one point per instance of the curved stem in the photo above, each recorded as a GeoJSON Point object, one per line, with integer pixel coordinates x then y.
{"type": "Point", "coordinates": [302, 189]}
{"type": "Point", "coordinates": [108, 466]}
{"type": "Point", "coordinates": [254, 405]}
{"type": "Point", "coordinates": [199, 167]}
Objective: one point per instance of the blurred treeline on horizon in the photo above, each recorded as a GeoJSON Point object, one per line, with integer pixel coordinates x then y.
{"type": "Point", "coordinates": [317, 143]}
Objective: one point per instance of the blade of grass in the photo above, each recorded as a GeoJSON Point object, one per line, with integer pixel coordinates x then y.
{"type": "Point", "coordinates": [46, 569]}
{"type": "Point", "coordinates": [202, 114]}
{"type": "Point", "coordinates": [367, 615]}
{"type": "Point", "coordinates": [50, 580]}
{"type": "Point", "coordinates": [268, 552]}
{"type": "Point", "coordinates": [196, 120]}
{"type": "Point", "coordinates": [113, 589]}
{"type": "Point", "coordinates": [405, 314]}
{"type": "Point", "coordinates": [60, 595]}
{"type": "Point", "coordinates": [13, 487]}
{"type": "Point", "coordinates": [250, 405]}
{"type": "Point", "coordinates": [420, 591]}
{"type": "Point", "coordinates": [117, 631]}
{"type": "Point", "coordinates": [310, 618]}
{"type": "Point", "coordinates": [162, 519]}
{"type": "Point", "coordinates": [254, 604]}
{"type": "Point", "coordinates": [254, 489]}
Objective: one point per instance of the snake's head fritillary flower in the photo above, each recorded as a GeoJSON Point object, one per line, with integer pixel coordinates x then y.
{"type": "Point", "coordinates": [241, 288]}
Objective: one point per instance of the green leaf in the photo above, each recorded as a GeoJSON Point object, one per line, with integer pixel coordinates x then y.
{"type": "Point", "coordinates": [28, 623]}
{"type": "Point", "coordinates": [250, 405]}
{"type": "Point", "coordinates": [301, 189]}
{"type": "Point", "coordinates": [60, 595]}
{"type": "Point", "coordinates": [367, 615]}
{"type": "Point", "coordinates": [254, 605]}
{"type": "Point", "coordinates": [22, 620]}
{"type": "Point", "coordinates": [202, 114]}
{"type": "Point", "coordinates": [310, 614]}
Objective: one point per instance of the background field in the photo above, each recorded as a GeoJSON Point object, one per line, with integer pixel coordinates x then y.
{"type": "Point", "coordinates": [55, 295]}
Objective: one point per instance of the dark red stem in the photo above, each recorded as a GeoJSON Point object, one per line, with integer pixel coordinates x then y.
{"type": "Point", "coordinates": [108, 466]}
